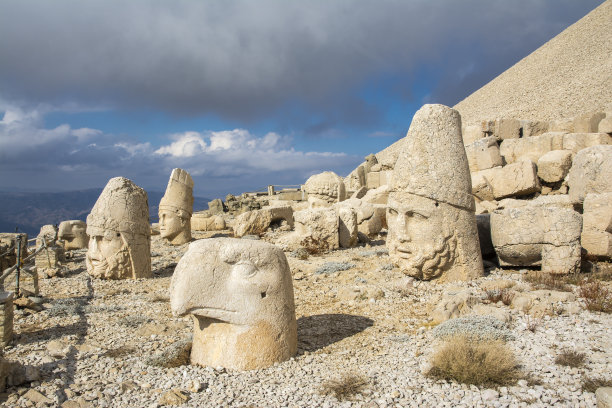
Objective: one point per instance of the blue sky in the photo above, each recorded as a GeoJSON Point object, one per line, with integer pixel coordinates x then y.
{"type": "Point", "coordinates": [239, 93]}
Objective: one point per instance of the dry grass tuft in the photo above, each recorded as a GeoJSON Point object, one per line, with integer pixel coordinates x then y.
{"type": "Point", "coordinates": [591, 384]}
{"type": "Point", "coordinates": [547, 281]}
{"type": "Point", "coordinates": [346, 387]}
{"type": "Point", "coordinates": [570, 358]}
{"type": "Point", "coordinates": [158, 298]}
{"type": "Point", "coordinates": [467, 361]}
{"type": "Point", "coordinates": [596, 296]}
{"type": "Point", "coordinates": [119, 351]}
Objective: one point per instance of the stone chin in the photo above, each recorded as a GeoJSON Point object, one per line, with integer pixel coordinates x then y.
{"type": "Point", "coordinates": [426, 263]}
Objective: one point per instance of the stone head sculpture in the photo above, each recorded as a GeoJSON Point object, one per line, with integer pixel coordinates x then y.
{"type": "Point", "coordinates": [240, 294]}
{"type": "Point", "coordinates": [430, 213]}
{"type": "Point", "coordinates": [119, 232]}
{"type": "Point", "coordinates": [176, 207]}
{"type": "Point", "coordinates": [74, 234]}
{"type": "Point", "coordinates": [324, 189]}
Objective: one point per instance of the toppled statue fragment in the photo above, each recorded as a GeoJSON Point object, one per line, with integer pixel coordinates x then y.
{"type": "Point", "coordinates": [324, 189]}
{"type": "Point", "coordinates": [119, 232]}
{"type": "Point", "coordinates": [176, 207]}
{"type": "Point", "coordinates": [74, 234]}
{"type": "Point", "coordinates": [240, 294]}
{"type": "Point", "coordinates": [430, 214]}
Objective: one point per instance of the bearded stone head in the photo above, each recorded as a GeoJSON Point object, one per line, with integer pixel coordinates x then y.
{"type": "Point", "coordinates": [119, 232]}
{"type": "Point", "coordinates": [430, 210]}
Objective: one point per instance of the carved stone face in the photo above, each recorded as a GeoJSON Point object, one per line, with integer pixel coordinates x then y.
{"type": "Point", "coordinates": [74, 234]}
{"type": "Point", "coordinates": [170, 224]}
{"type": "Point", "coordinates": [108, 256]}
{"type": "Point", "coordinates": [419, 239]}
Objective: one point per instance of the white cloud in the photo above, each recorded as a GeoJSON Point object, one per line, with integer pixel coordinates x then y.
{"type": "Point", "coordinates": [187, 144]}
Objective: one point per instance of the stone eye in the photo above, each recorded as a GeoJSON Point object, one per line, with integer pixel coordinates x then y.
{"type": "Point", "coordinates": [392, 212]}
{"type": "Point", "coordinates": [245, 270]}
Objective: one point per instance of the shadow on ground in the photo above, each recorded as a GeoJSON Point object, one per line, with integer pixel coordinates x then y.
{"type": "Point", "coordinates": [318, 331]}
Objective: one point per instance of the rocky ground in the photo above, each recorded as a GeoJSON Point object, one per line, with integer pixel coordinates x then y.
{"type": "Point", "coordinates": [100, 343]}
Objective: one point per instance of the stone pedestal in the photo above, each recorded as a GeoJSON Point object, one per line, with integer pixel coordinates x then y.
{"type": "Point", "coordinates": [6, 318]}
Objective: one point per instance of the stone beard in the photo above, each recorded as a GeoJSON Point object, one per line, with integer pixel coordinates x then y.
{"type": "Point", "coordinates": [420, 241]}
{"type": "Point", "coordinates": [108, 256]}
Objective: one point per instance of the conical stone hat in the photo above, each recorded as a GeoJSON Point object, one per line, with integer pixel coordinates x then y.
{"type": "Point", "coordinates": [433, 163]}
{"type": "Point", "coordinates": [121, 207]}
{"type": "Point", "coordinates": [179, 193]}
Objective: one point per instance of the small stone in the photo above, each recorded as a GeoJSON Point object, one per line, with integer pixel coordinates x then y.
{"type": "Point", "coordinates": [36, 397]}
{"type": "Point", "coordinates": [489, 395]}
{"type": "Point", "coordinates": [604, 397]}
{"type": "Point", "coordinates": [173, 397]}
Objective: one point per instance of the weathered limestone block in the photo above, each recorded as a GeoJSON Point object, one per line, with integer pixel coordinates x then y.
{"type": "Point", "coordinates": [373, 179]}
{"type": "Point", "coordinates": [554, 165]}
{"type": "Point", "coordinates": [240, 294]}
{"type": "Point", "coordinates": [49, 261]}
{"type": "Point", "coordinates": [324, 189]}
{"type": "Point", "coordinates": [562, 125]}
{"type": "Point", "coordinates": [205, 221]}
{"type": "Point", "coordinates": [119, 232]}
{"type": "Point", "coordinates": [360, 193]}
{"type": "Point", "coordinates": [530, 128]}
{"type": "Point", "coordinates": [534, 147]}
{"type": "Point", "coordinates": [176, 207]}
{"type": "Point", "coordinates": [356, 179]}
{"type": "Point", "coordinates": [481, 188]}
{"type": "Point", "coordinates": [531, 235]}
{"type": "Point", "coordinates": [605, 126]}
{"type": "Point", "coordinates": [507, 129]}
{"type": "Point", "coordinates": [8, 248]}
{"type": "Point", "coordinates": [578, 141]}
{"type": "Point", "coordinates": [258, 221]}
{"type": "Point", "coordinates": [370, 218]}
{"type": "Point", "coordinates": [6, 318]}
{"type": "Point", "coordinates": [483, 154]}
{"type": "Point", "coordinates": [596, 235]}
{"type": "Point", "coordinates": [48, 234]}
{"type": "Point", "coordinates": [604, 397]}
{"type": "Point", "coordinates": [317, 228]}
{"type": "Point", "coordinates": [541, 302]}
{"type": "Point", "coordinates": [472, 133]}
{"type": "Point", "coordinates": [512, 180]}
{"type": "Point", "coordinates": [74, 234]}
{"type": "Point", "coordinates": [347, 228]}
{"type": "Point", "coordinates": [588, 122]}
{"type": "Point", "coordinates": [378, 195]}
{"type": "Point", "coordinates": [216, 206]}
{"type": "Point", "coordinates": [430, 214]}
{"type": "Point", "coordinates": [590, 173]}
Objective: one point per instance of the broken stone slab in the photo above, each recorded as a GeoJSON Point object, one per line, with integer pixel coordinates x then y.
{"type": "Point", "coordinates": [347, 227]}
{"type": "Point", "coordinates": [378, 195]}
{"type": "Point", "coordinates": [507, 129]}
{"type": "Point", "coordinates": [472, 133]}
{"type": "Point", "coordinates": [596, 234]}
{"type": "Point", "coordinates": [6, 318]}
{"type": "Point", "coordinates": [483, 154]}
{"type": "Point", "coordinates": [554, 165]}
{"type": "Point", "coordinates": [590, 172]}
{"type": "Point", "coordinates": [216, 206]}
{"type": "Point", "coordinates": [258, 221]}
{"type": "Point", "coordinates": [561, 125]}
{"type": "Point", "coordinates": [605, 126]}
{"type": "Point", "coordinates": [534, 235]}
{"type": "Point", "coordinates": [316, 229]}
{"type": "Point", "coordinates": [578, 141]}
{"type": "Point", "coordinates": [531, 128]}
{"type": "Point", "coordinates": [541, 302]}
{"type": "Point", "coordinates": [588, 122]}
{"type": "Point", "coordinates": [512, 180]}
{"type": "Point", "coordinates": [533, 147]}
{"type": "Point", "coordinates": [205, 221]}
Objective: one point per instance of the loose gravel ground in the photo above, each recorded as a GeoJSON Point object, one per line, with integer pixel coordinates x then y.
{"type": "Point", "coordinates": [94, 339]}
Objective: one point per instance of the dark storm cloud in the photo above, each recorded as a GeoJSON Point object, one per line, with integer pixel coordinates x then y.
{"type": "Point", "coordinates": [241, 59]}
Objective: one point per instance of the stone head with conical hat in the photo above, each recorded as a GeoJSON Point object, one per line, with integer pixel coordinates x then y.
{"type": "Point", "coordinates": [119, 232]}
{"type": "Point", "coordinates": [430, 213]}
{"type": "Point", "coordinates": [176, 207]}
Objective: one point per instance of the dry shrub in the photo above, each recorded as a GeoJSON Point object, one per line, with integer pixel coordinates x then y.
{"type": "Point", "coordinates": [158, 298]}
{"type": "Point", "coordinates": [591, 384]}
{"type": "Point", "coordinates": [315, 246]}
{"type": "Point", "coordinates": [119, 351]}
{"type": "Point", "coordinates": [467, 361]}
{"type": "Point", "coordinates": [346, 387]}
{"type": "Point", "coordinates": [570, 358]}
{"type": "Point", "coordinates": [547, 281]}
{"type": "Point", "coordinates": [499, 295]}
{"type": "Point", "coordinates": [596, 296]}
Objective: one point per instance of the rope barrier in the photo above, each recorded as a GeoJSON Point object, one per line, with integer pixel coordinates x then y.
{"type": "Point", "coordinates": [8, 251]}
{"type": "Point", "coordinates": [8, 271]}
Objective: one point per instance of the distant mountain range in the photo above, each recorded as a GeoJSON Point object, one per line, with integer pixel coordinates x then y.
{"type": "Point", "coordinates": [30, 211]}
